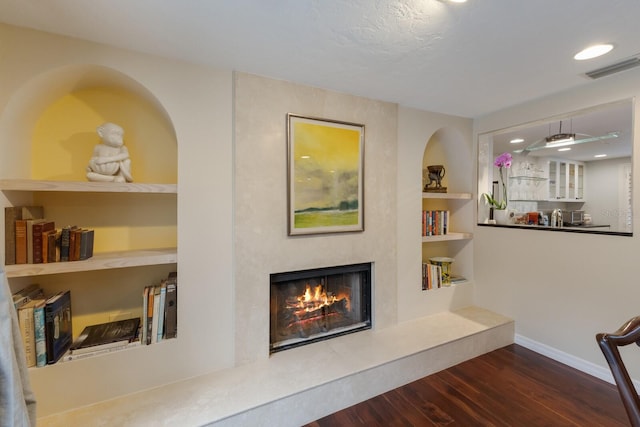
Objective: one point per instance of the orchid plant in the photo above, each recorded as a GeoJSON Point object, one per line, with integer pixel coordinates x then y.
{"type": "Point", "coordinates": [503, 161]}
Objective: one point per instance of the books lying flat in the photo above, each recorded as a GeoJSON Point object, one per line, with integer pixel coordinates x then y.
{"type": "Point", "coordinates": [106, 335]}
{"type": "Point", "coordinates": [96, 351]}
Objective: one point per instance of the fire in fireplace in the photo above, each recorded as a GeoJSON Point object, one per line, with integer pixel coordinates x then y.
{"type": "Point", "coordinates": [312, 305]}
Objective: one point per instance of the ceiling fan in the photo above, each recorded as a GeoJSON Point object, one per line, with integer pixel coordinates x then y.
{"type": "Point", "coordinates": [562, 139]}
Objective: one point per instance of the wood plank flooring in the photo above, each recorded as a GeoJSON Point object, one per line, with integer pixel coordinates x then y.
{"type": "Point", "coordinates": [512, 386]}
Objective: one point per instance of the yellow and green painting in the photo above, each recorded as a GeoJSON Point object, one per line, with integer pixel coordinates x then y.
{"type": "Point", "coordinates": [326, 176]}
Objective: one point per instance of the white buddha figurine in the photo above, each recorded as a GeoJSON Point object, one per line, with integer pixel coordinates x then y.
{"type": "Point", "coordinates": [110, 161]}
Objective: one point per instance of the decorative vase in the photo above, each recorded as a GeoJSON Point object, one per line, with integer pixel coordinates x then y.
{"type": "Point", "coordinates": [501, 216]}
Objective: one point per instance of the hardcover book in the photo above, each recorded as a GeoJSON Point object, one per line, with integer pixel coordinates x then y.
{"type": "Point", "coordinates": [39, 228]}
{"type": "Point", "coordinates": [150, 307]}
{"type": "Point", "coordinates": [163, 312]}
{"type": "Point", "coordinates": [27, 330]}
{"type": "Point", "coordinates": [30, 224]}
{"type": "Point", "coordinates": [39, 332]}
{"type": "Point", "coordinates": [27, 294]}
{"type": "Point", "coordinates": [21, 241]}
{"type": "Point", "coordinates": [171, 307]}
{"type": "Point", "coordinates": [86, 244]}
{"type": "Point", "coordinates": [11, 215]}
{"type": "Point", "coordinates": [106, 335]}
{"type": "Point", "coordinates": [65, 242]}
{"type": "Point", "coordinates": [74, 244]}
{"type": "Point", "coordinates": [58, 325]}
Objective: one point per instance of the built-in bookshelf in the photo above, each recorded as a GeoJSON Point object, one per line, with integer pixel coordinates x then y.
{"type": "Point", "coordinates": [455, 231]}
{"type": "Point", "coordinates": [120, 262]}
{"type": "Point", "coordinates": [451, 235]}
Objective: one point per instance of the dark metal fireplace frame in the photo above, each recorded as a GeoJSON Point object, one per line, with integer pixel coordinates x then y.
{"type": "Point", "coordinates": [295, 277]}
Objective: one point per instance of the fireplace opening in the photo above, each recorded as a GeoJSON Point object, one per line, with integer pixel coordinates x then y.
{"type": "Point", "coordinates": [313, 305]}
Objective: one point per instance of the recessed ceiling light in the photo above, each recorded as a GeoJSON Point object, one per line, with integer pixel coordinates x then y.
{"type": "Point", "coordinates": [564, 149]}
{"type": "Point", "coordinates": [600, 155]}
{"type": "Point", "coordinates": [593, 51]}
{"type": "Point", "coordinates": [516, 141]}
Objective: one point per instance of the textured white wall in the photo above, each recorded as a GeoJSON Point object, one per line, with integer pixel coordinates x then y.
{"type": "Point", "coordinates": [562, 288]}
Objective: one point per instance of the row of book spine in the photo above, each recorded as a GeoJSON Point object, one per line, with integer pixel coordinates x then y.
{"type": "Point", "coordinates": [32, 239]}
{"type": "Point", "coordinates": [45, 324]}
{"type": "Point", "coordinates": [435, 222]}
{"type": "Point", "coordinates": [159, 311]}
{"type": "Point", "coordinates": [431, 276]}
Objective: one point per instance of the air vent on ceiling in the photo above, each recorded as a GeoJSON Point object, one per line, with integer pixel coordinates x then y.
{"type": "Point", "coordinates": [614, 68]}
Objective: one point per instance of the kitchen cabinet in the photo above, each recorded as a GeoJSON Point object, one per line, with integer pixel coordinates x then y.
{"type": "Point", "coordinates": [566, 180]}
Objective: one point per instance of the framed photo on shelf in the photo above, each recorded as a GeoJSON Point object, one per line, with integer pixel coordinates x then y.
{"type": "Point", "coordinates": [325, 175]}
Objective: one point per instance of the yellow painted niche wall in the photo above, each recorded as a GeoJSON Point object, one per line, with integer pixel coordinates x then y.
{"type": "Point", "coordinates": [65, 134]}
{"type": "Point", "coordinates": [62, 144]}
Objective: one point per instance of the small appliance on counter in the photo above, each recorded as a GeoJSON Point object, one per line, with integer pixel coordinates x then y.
{"type": "Point", "coordinates": [573, 218]}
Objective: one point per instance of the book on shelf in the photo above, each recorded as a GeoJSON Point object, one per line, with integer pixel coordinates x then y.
{"type": "Point", "coordinates": [21, 241]}
{"type": "Point", "coordinates": [65, 241]}
{"type": "Point", "coordinates": [39, 228]}
{"type": "Point", "coordinates": [171, 307]}
{"type": "Point", "coordinates": [11, 215]}
{"type": "Point", "coordinates": [106, 335]}
{"type": "Point", "coordinates": [27, 294]}
{"type": "Point", "coordinates": [68, 356]}
{"type": "Point", "coordinates": [145, 310]}
{"type": "Point", "coordinates": [27, 331]}
{"type": "Point", "coordinates": [150, 306]}
{"type": "Point", "coordinates": [86, 244]}
{"type": "Point", "coordinates": [157, 313]}
{"type": "Point", "coordinates": [163, 311]}
{"type": "Point", "coordinates": [30, 224]}
{"type": "Point", "coordinates": [40, 332]}
{"type": "Point", "coordinates": [51, 246]}
{"type": "Point", "coordinates": [58, 325]}
{"type": "Point", "coordinates": [74, 244]}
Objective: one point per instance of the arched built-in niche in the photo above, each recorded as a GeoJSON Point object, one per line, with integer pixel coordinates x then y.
{"type": "Point", "coordinates": [48, 125]}
{"type": "Point", "coordinates": [447, 147]}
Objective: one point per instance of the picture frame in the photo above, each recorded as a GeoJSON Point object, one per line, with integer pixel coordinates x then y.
{"type": "Point", "coordinates": [325, 175]}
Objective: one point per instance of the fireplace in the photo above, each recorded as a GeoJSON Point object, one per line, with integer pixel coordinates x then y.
{"type": "Point", "coordinates": [313, 305]}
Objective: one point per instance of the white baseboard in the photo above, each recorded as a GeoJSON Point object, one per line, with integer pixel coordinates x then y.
{"type": "Point", "coordinates": [569, 360]}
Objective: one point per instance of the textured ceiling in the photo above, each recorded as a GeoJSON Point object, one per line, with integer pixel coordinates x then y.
{"type": "Point", "coordinates": [463, 59]}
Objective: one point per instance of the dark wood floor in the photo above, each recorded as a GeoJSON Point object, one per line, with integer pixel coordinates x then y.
{"type": "Point", "coordinates": [511, 386]}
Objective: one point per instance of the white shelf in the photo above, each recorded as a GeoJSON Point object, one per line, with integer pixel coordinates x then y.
{"type": "Point", "coordinates": [87, 187]}
{"type": "Point", "coordinates": [100, 261]}
{"type": "Point", "coordinates": [448, 196]}
{"type": "Point", "coordinates": [447, 237]}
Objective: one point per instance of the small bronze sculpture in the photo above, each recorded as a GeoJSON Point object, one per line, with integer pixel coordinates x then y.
{"type": "Point", "coordinates": [434, 174]}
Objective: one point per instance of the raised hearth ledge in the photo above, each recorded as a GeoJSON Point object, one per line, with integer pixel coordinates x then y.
{"type": "Point", "coordinates": [300, 385]}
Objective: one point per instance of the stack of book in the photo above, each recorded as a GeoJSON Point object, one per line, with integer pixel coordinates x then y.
{"type": "Point", "coordinates": [105, 338]}
{"type": "Point", "coordinates": [45, 324]}
{"type": "Point", "coordinates": [30, 238]}
{"type": "Point", "coordinates": [160, 311]}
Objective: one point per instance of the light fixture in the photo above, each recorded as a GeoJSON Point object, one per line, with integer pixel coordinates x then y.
{"type": "Point", "coordinates": [600, 155]}
{"type": "Point", "coordinates": [564, 149]}
{"type": "Point", "coordinates": [560, 139]}
{"type": "Point", "coordinates": [516, 141]}
{"type": "Point", "coordinates": [593, 51]}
